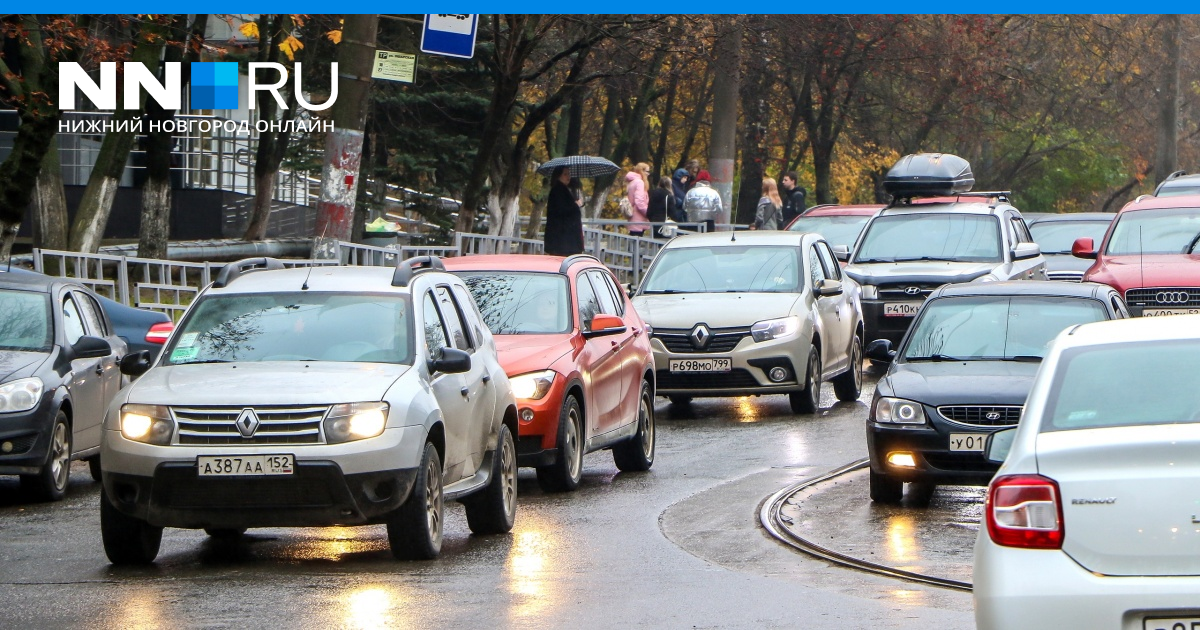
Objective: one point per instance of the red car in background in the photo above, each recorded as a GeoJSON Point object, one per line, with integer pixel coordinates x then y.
{"type": "Point", "coordinates": [1151, 255]}
{"type": "Point", "coordinates": [840, 225]}
{"type": "Point", "coordinates": [578, 356]}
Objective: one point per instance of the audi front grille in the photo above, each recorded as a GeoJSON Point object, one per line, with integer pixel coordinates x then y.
{"type": "Point", "coordinates": [1165, 297]}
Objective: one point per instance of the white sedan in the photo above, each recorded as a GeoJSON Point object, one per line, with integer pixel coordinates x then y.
{"type": "Point", "coordinates": [1093, 521]}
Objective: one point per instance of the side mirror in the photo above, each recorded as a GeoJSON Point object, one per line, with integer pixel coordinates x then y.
{"type": "Point", "coordinates": [1026, 250]}
{"type": "Point", "coordinates": [826, 288]}
{"type": "Point", "coordinates": [999, 444]}
{"type": "Point", "coordinates": [89, 347]}
{"type": "Point", "coordinates": [605, 325]}
{"type": "Point", "coordinates": [451, 361]}
{"type": "Point", "coordinates": [1084, 248]}
{"type": "Point", "coordinates": [135, 363]}
{"type": "Point", "coordinates": [880, 350]}
{"type": "Point", "coordinates": [841, 252]}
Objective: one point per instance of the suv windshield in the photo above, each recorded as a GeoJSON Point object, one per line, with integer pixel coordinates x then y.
{"type": "Point", "coordinates": [310, 326]}
{"type": "Point", "coordinates": [953, 237]}
{"type": "Point", "coordinates": [995, 328]}
{"type": "Point", "coordinates": [24, 321]}
{"type": "Point", "coordinates": [1166, 231]}
{"type": "Point", "coordinates": [1057, 237]}
{"type": "Point", "coordinates": [732, 269]}
{"type": "Point", "coordinates": [520, 303]}
{"type": "Point", "coordinates": [1125, 384]}
{"type": "Point", "coordinates": [843, 230]}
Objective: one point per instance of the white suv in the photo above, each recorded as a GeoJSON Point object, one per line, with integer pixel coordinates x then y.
{"type": "Point", "coordinates": [314, 397]}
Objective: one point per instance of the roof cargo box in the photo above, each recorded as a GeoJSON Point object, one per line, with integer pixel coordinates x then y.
{"type": "Point", "coordinates": [929, 175]}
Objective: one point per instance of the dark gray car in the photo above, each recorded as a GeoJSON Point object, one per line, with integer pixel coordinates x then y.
{"type": "Point", "coordinates": [1055, 233]}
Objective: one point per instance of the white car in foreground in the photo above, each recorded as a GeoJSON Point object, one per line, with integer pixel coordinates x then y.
{"type": "Point", "coordinates": [1093, 521]}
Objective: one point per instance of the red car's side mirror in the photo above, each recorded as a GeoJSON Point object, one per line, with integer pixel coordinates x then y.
{"type": "Point", "coordinates": [605, 325]}
{"type": "Point", "coordinates": [1084, 248]}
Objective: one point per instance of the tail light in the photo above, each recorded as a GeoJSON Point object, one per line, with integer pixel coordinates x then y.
{"type": "Point", "coordinates": [1025, 511]}
{"type": "Point", "coordinates": [158, 333]}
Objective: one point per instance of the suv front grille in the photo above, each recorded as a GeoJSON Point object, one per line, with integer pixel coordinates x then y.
{"type": "Point", "coordinates": [901, 291]}
{"type": "Point", "coordinates": [277, 425]}
{"type": "Point", "coordinates": [678, 340]}
{"type": "Point", "coordinates": [981, 416]}
{"type": "Point", "coordinates": [1165, 297]}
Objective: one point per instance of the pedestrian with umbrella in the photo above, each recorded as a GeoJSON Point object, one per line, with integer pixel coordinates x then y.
{"type": "Point", "coordinates": [564, 218]}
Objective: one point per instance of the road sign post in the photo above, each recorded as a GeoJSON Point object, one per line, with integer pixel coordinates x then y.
{"type": "Point", "coordinates": [452, 35]}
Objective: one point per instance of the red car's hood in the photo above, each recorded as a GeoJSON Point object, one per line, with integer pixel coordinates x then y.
{"type": "Point", "coordinates": [529, 353]}
{"type": "Point", "coordinates": [1156, 270]}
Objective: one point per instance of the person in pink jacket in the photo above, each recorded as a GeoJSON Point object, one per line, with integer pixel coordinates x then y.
{"type": "Point", "coordinates": [637, 190]}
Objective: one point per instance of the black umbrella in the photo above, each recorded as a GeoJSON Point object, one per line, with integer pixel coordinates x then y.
{"type": "Point", "coordinates": [580, 165]}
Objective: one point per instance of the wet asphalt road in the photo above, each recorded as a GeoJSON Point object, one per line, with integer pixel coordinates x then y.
{"type": "Point", "coordinates": [678, 547]}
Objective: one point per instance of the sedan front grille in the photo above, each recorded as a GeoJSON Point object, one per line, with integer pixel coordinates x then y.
{"type": "Point", "coordinates": [679, 340]}
{"type": "Point", "coordinates": [1164, 297]}
{"type": "Point", "coordinates": [736, 378]}
{"type": "Point", "coordinates": [1065, 276]}
{"type": "Point", "coordinates": [277, 425]}
{"type": "Point", "coordinates": [982, 416]}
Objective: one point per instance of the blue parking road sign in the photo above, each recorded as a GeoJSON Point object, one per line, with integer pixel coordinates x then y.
{"type": "Point", "coordinates": [452, 35]}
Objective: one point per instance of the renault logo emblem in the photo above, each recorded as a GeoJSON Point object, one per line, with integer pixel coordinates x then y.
{"type": "Point", "coordinates": [993, 415]}
{"type": "Point", "coordinates": [1171, 297]}
{"type": "Point", "coordinates": [247, 423]}
{"type": "Point", "coordinates": [913, 290]}
{"type": "Point", "coordinates": [700, 336]}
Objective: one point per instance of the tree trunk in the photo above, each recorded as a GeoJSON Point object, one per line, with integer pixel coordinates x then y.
{"type": "Point", "coordinates": [39, 122]}
{"type": "Point", "coordinates": [260, 209]}
{"type": "Point", "coordinates": [755, 114]}
{"type": "Point", "coordinates": [8, 234]}
{"type": "Point", "coordinates": [822, 165]}
{"type": "Point", "coordinates": [723, 150]}
{"type": "Point", "coordinates": [49, 204]}
{"type": "Point", "coordinates": [660, 152]}
{"type": "Point", "coordinates": [1167, 156]}
{"type": "Point", "coordinates": [343, 145]}
{"type": "Point", "coordinates": [271, 144]}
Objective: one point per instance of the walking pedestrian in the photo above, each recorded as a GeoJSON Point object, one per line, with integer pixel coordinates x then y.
{"type": "Point", "coordinates": [662, 207]}
{"type": "Point", "coordinates": [679, 186]}
{"type": "Point", "coordinates": [637, 187]}
{"type": "Point", "coordinates": [770, 207]}
{"type": "Point", "coordinates": [793, 197]}
{"type": "Point", "coordinates": [564, 220]}
{"type": "Point", "coordinates": [703, 203]}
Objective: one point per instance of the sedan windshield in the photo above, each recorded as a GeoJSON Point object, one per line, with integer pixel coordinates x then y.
{"type": "Point", "coordinates": [1166, 231]}
{"type": "Point", "coordinates": [521, 303]}
{"type": "Point", "coordinates": [730, 269]}
{"type": "Point", "coordinates": [995, 327]}
{"type": "Point", "coordinates": [843, 230]}
{"type": "Point", "coordinates": [1057, 237]}
{"type": "Point", "coordinates": [25, 321]}
{"type": "Point", "coordinates": [1125, 384]}
{"type": "Point", "coordinates": [953, 237]}
{"type": "Point", "coordinates": [306, 326]}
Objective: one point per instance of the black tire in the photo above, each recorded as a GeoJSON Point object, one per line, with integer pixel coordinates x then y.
{"type": "Point", "coordinates": [493, 510]}
{"type": "Point", "coordinates": [848, 385]}
{"type": "Point", "coordinates": [566, 471]}
{"type": "Point", "coordinates": [127, 540]}
{"type": "Point", "coordinates": [680, 400]}
{"type": "Point", "coordinates": [809, 400]}
{"type": "Point", "coordinates": [920, 494]}
{"type": "Point", "coordinates": [94, 468]}
{"type": "Point", "coordinates": [50, 483]}
{"type": "Point", "coordinates": [415, 528]}
{"type": "Point", "coordinates": [225, 534]}
{"type": "Point", "coordinates": [886, 489]}
{"type": "Point", "coordinates": [637, 453]}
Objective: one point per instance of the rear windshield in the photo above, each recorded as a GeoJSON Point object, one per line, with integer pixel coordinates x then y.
{"type": "Point", "coordinates": [1057, 237]}
{"type": "Point", "coordinates": [310, 327]}
{"type": "Point", "coordinates": [1125, 384]}
{"type": "Point", "coordinates": [25, 321]}
{"type": "Point", "coordinates": [726, 269]}
{"type": "Point", "coordinates": [521, 303]}
{"type": "Point", "coordinates": [842, 230]}
{"type": "Point", "coordinates": [950, 237]}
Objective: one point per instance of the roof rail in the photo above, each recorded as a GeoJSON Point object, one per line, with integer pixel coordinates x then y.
{"type": "Point", "coordinates": [820, 205]}
{"type": "Point", "coordinates": [999, 195]}
{"type": "Point", "coordinates": [233, 270]}
{"type": "Point", "coordinates": [574, 258]}
{"type": "Point", "coordinates": [1174, 175]}
{"type": "Point", "coordinates": [410, 267]}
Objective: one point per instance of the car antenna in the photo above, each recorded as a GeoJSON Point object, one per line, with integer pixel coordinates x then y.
{"type": "Point", "coordinates": [1141, 257]}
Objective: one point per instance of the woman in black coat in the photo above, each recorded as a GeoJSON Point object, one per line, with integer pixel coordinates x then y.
{"type": "Point", "coordinates": [662, 205]}
{"type": "Point", "coordinates": [564, 220]}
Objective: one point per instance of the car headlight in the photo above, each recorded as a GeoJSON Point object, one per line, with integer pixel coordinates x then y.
{"type": "Point", "coordinates": [986, 278]}
{"type": "Point", "coordinates": [151, 424]}
{"type": "Point", "coordinates": [898, 411]}
{"type": "Point", "coordinates": [20, 395]}
{"type": "Point", "coordinates": [781, 328]}
{"type": "Point", "coordinates": [355, 421]}
{"type": "Point", "coordinates": [870, 292]}
{"type": "Point", "coordinates": [532, 386]}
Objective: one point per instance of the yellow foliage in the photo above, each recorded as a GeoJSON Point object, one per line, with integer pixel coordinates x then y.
{"type": "Point", "coordinates": [335, 36]}
{"type": "Point", "coordinates": [290, 46]}
{"type": "Point", "coordinates": [249, 29]}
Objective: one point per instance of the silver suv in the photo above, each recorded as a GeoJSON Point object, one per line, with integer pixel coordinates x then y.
{"type": "Point", "coordinates": [314, 397]}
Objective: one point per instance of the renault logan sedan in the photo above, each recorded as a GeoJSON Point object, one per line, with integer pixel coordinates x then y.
{"type": "Point", "coordinates": [736, 314]}
{"type": "Point", "coordinates": [1092, 520]}
{"type": "Point", "coordinates": [314, 397]}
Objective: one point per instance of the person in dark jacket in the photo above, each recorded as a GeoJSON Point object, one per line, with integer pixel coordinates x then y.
{"type": "Point", "coordinates": [662, 206]}
{"type": "Point", "coordinates": [679, 186]}
{"type": "Point", "coordinates": [793, 198]}
{"type": "Point", "coordinates": [564, 220]}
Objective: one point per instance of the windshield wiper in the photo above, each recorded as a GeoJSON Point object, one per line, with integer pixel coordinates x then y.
{"type": "Point", "coordinates": [875, 260]}
{"type": "Point", "coordinates": [929, 258]}
{"type": "Point", "coordinates": [661, 291]}
{"type": "Point", "coordinates": [204, 361]}
{"type": "Point", "coordinates": [935, 357]}
{"type": "Point", "coordinates": [1023, 358]}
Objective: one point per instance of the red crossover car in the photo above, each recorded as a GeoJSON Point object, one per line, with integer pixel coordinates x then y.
{"type": "Point", "coordinates": [840, 225]}
{"type": "Point", "coordinates": [1151, 255]}
{"type": "Point", "coordinates": [578, 356]}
